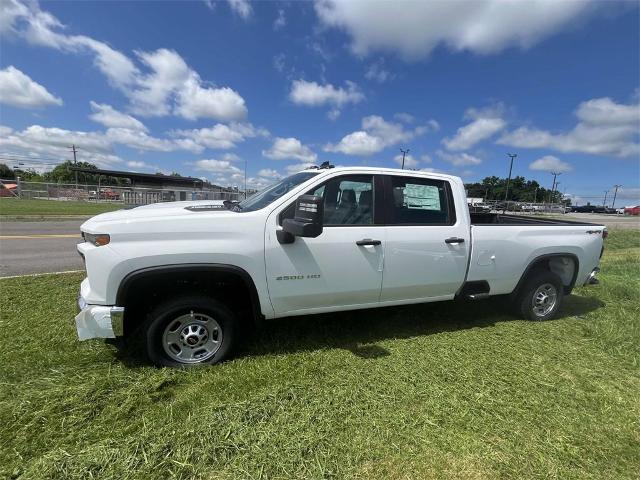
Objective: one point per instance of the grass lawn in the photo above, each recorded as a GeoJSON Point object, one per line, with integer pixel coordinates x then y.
{"type": "Point", "coordinates": [432, 391]}
{"type": "Point", "coordinates": [19, 207]}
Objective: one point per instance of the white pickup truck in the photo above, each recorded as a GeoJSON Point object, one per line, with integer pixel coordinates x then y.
{"type": "Point", "coordinates": [183, 276]}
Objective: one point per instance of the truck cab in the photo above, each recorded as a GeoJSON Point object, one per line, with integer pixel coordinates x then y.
{"type": "Point", "coordinates": [184, 276]}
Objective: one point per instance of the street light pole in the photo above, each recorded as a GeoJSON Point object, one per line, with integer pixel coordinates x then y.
{"type": "Point", "coordinates": [604, 203]}
{"type": "Point", "coordinates": [613, 205]}
{"type": "Point", "coordinates": [553, 187]}
{"type": "Point", "coordinates": [404, 152]}
{"type": "Point", "coordinates": [506, 193]}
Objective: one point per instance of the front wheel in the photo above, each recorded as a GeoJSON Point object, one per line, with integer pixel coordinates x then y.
{"type": "Point", "coordinates": [541, 296]}
{"type": "Point", "coordinates": [190, 331]}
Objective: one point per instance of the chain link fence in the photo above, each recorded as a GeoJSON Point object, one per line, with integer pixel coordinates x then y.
{"type": "Point", "coordinates": [489, 206]}
{"type": "Point", "coordinates": [126, 195]}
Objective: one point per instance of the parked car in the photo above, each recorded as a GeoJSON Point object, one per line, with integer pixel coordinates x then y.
{"type": "Point", "coordinates": [632, 210]}
{"type": "Point", "coordinates": [479, 208]}
{"type": "Point", "coordinates": [109, 194]}
{"type": "Point", "coordinates": [184, 277]}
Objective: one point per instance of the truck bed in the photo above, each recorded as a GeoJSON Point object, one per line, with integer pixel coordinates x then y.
{"type": "Point", "coordinates": [511, 220]}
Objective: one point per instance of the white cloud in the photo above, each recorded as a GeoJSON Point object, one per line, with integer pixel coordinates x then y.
{"type": "Point", "coordinates": [426, 158]}
{"type": "Point", "coordinates": [269, 173]}
{"type": "Point", "coordinates": [405, 117]}
{"type": "Point", "coordinates": [415, 29]}
{"type": "Point", "coordinates": [376, 134]}
{"type": "Point", "coordinates": [312, 94]}
{"type": "Point", "coordinates": [278, 62]}
{"type": "Point", "coordinates": [629, 193]}
{"type": "Point", "coordinates": [137, 165]}
{"type": "Point", "coordinates": [485, 123]}
{"type": "Point", "coordinates": [196, 101]}
{"type": "Point", "coordinates": [280, 21]}
{"type": "Point", "coordinates": [166, 85]}
{"type": "Point", "coordinates": [549, 163]}
{"type": "Point", "coordinates": [295, 168]}
{"type": "Point", "coordinates": [112, 118]}
{"type": "Point", "coordinates": [242, 8]}
{"type": "Point", "coordinates": [459, 159]}
{"type": "Point", "coordinates": [378, 73]}
{"type": "Point", "coordinates": [141, 141]}
{"type": "Point", "coordinates": [19, 90]}
{"type": "Point", "coordinates": [409, 161]}
{"type": "Point", "coordinates": [290, 148]}
{"type": "Point", "coordinates": [52, 145]}
{"type": "Point", "coordinates": [217, 166]}
{"type": "Point", "coordinates": [171, 86]}
{"type": "Point", "coordinates": [604, 128]}
{"type": "Point", "coordinates": [220, 136]}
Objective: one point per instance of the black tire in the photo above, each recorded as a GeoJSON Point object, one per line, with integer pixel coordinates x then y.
{"type": "Point", "coordinates": [190, 320]}
{"type": "Point", "coordinates": [542, 284]}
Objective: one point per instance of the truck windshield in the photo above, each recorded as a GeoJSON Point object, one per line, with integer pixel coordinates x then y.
{"type": "Point", "coordinates": [274, 192]}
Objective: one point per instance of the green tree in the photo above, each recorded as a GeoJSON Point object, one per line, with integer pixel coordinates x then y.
{"type": "Point", "coordinates": [6, 172]}
{"type": "Point", "coordinates": [520, 190]}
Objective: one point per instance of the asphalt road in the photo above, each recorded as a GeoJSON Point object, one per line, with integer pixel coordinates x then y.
{"type": "Point", "coordinates": [39, 247]}
{"type": "Point", "coordinates": [50, 246]}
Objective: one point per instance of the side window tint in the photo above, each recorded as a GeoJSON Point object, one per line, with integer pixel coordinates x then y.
{"type": "Point", "coordinates": [348, 200]}
{"type": "Point", "coordinates": [420, 201]}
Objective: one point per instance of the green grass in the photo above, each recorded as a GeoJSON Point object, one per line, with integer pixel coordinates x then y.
{"type": "Point", "coordinates": [20, 207]}
{"type": "Point", "coordinates": [431, 391]}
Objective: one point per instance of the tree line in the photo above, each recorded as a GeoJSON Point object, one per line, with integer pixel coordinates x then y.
{"type": "Point", "coordinates": [520, 190]}
{"type": "Point", "coordinates": [490, 188]}
{"type": "Point", "coordinates": [63, 173]}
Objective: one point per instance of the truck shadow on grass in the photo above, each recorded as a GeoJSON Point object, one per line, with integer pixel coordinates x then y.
{"type": "Point", "coordinates": [358, 331]}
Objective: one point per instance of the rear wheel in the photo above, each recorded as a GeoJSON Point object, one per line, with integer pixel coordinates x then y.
{"type": "Point", "coordinates": [541, 296]}
{"type": "Point", "coordinates": [190, 331]}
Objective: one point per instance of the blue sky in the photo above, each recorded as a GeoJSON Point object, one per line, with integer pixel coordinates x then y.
{"type": "Point", "coordinates": [200, 87]}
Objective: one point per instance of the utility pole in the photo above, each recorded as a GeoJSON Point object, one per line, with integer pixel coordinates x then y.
{"type": "Point", "coordinates": [604, 203]}
{"type": "Point", "coordinates": [506, 193]}
{"type": "Point", "coordinates": [613, 205]}
{"type": "Point", "coordinates": [553, 188]}
{"type": "Point", "coordinates": [404, 152]}
{"type": "Point", "coordinates": [245, 178]}
{"type": "Point", "coordinates": [75, 162]}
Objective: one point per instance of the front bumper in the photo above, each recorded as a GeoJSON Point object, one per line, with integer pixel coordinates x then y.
{"type": "Point", "coordinates": [98, 321]}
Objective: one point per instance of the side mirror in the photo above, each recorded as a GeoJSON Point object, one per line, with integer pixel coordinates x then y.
{"type": "Point", "coordinates": [307, 221]}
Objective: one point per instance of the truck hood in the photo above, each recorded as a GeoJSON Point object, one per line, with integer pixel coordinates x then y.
{"type": "Point", "coordinates": [164, 212]}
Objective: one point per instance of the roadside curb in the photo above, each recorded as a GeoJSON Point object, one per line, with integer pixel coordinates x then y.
{"type": "Point", "coordinates": [42, 218]}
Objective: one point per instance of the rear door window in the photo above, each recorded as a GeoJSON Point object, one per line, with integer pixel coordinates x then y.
{"type": "Point", "coordinates": [420, 201]}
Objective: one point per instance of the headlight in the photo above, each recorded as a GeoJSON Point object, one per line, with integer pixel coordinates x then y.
{"type": "Point", "coordinates": [97, 239]}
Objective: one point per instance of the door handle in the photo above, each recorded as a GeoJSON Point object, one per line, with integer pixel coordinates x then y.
{"type": "Point", "coordinates": [367, 241]}
{"type": "Point", "coordinates": [454, 240]}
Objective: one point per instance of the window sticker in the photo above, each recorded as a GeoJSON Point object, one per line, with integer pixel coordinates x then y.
{"type": "Point", "coordinates": [421, 197]}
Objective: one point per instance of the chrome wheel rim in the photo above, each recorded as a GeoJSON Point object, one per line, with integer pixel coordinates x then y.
{"type": "Point", "coordinates": [192, 338]}
{"type": "Point", "coordinates": [544, 299]}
